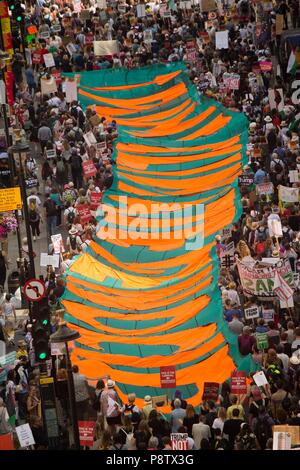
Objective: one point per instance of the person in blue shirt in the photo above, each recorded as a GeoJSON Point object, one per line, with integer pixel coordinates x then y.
{"type": "Point", "coordinates": [230, 310]}
{"type": "Point", "coordinates": [261, 327]}
{"type": "Point", "coordinates": [259, 176]}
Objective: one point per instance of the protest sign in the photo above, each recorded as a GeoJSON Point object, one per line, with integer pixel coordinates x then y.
{"type": "Point", "coordinates": [89, 168]}
{"type": "Point", "coordinates": [262, 341]}
{"type": "Point", "coordinates": [260, 379]}
{"type": "Point", "coordinates": [71, 91]}
{"type": "Point", "coordinates": [179, 441]}
{"type": "Point", "coordinates": [58, 244]}
{"type": "Point", "coordinates": [85, 15]}
{"type": "Point", "coordinates": [238, 383]}
{"type": "Point", "coordinates": [48, 86]}
{"type": "Point", "coordinates": [276, 99]}
{"type": "Point", "coordinates": [226, 232]}
{"type": "Point", "coordinates": [265, 66]}
{"type": "Point", "coordinates": [294, 176]}
{"type": "Point", "coordinates": [6, 362]}
{"type": "Point", "coordinates": [148, 36]}
{"type": "Point", "coordinates": [251, 312]}
{"type": "Point", "coordinates": [95, 200]}
{"type": "Point", "coordinates": [268, 315]}
{"type": "Point", "coordinates": [25, 436]}
{"type": "Point", "coordinates": [293, 430]}
{"type": "Point", "coordinates": [207, 5]}
{"type": "Point", "coordinates": [57, 77]}
{"type": "Point", "coordinates": [95, 120]}
{"type": "Point", "coordinates": [275, 228]}
{"type": "Point", "coordinates": [282, 288]}
{"type": "Point", "coordinates": [282, 441]}
{"type": "Point", "coordinates": [49, 260]}
{"type": "Point", "coordinates": [227, 257]}
{"type": "Point", "coordinates": [36, 57]}
{"type": "Point", "coordinates": [86, 432]}
{"type": "Point", "coordinates": [221, 39]}
{"type": "Point", "coordinates": [259, 280]}
{"type": "Point", "coordinates": [6, 442]}
{"type": "Point", "coordinates": [89, 138]}
{"type": "Point", "coordinates": [77, 6]}
{"type": "Point", "coordinates": [246, 179]}
{"type": "Point", "coordinates": [84, 213]}
{"type": "Point", "coordinates": [51, 153]}
{"type": "Point", "coordinates": [278, 24]}
{"type": "Point", "coordinates": [265, 189]}
{"type": "Point", "coordinates": [58, 349]}
{"type": "Point", "coordinates": [168, 377]}
{"type": "Point", "coordinates": [56, 28]}
{"type": "Point", "coordinates": [105, 47]}
{"type": "Point", "coordinates": [141, 10]}
{"type": "Point", "coordinates": [49, 60]}
{"type": "Point", "coordinates": [210, 391]}
{"type": "Point", "coordinates": [231, 80]}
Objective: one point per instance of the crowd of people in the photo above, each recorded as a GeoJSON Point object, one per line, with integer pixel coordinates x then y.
{"type": "Point", "coordinates": [66, 200]}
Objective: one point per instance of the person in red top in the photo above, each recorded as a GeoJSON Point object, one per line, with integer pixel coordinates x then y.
{"type": "Point", "coordinates": [246, 341]}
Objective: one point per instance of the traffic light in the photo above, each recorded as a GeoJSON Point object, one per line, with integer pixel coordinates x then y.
{"type": "Point", "coordinates": [41, 330]}
{"type": "Point", "coordinates": [17, 11]}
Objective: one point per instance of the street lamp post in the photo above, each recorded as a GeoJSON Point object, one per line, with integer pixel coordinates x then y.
{"type": "Point", "coordinates": [17, 151]}
{"type": "Point", "coordinates": [64, 334]}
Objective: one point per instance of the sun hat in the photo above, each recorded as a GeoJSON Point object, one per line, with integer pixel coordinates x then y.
{"type": "Point", "coordinates": [73, 231]}
{"type": "Point", "coordinates": [66, 186]}
{"type": "Point", "coordinates": [212, 15]}
{"type": "Point", "coordinates": [268, 119]}
{"type": "Point", "coordinates": [148, 399]}
{"type": "Point", "coordinates": [110, 383]}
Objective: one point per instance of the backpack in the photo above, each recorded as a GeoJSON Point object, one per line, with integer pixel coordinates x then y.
{"type": "Point", "coordinates": [273, 374]}
{"type": "Point", "coordinates": [33, 215]}
{"type": "Point", "coordinates": [71, 216]}
{"type": "Point", "coordinates": [262, 431]}
{"type": "Point", "coordinates": [244, 7]}
{"type": "Point", "coordinates": [60, 168]}
{"type": "Point", "coordinates": [76, 162]}
{"type": "Point", "coordinates": [261, 236]}
{"type": "Point", "coordinates": [278, 167]}
{"type": "Point", "coordinates": [286, 403]}
{"type": "Point", "coordinates": [73, 243]}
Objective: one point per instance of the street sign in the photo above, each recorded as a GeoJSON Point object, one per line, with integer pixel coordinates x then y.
{"type": "Point", "coordinates": [10, 199]}
{"type": "Point", "coordinates": [168, 377]}
{"type": "Point", "coordinates": [34, 290]}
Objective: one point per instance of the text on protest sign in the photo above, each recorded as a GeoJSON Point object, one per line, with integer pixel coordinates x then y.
{"type": "Point", "coordinates": [179, 441]}
{"type": "Point", "coordinates": [251, 312]}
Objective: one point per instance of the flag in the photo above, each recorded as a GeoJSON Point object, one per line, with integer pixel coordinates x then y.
{"type": "Point", "coordinates": [292, 63]}
{"type": "Point", "coordinates": [281, 288]}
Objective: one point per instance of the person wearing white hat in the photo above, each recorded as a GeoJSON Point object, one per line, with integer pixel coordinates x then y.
{"type": "Point", "coordinates": [74, 241]}
{"type": "Point", "coordinates": [109, 405]}
{"type": "Point", "coordinates": [148, 407]}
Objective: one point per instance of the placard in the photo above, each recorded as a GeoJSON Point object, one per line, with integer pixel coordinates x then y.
{"type": "Point", "coordinates": [282, 441]}
{"type": "Point", "coordinates": [71, 90]}
{"type": "Point", "coordinates": [293, 430]}
{"type": "Point", "coordinates": [207, 5]}
{"type": "Point", "coordinates": [49, 260]}
{"type": "Point", "coordinates": [86, 432]}
{"type": "Point", "coordinates": [58, 349]}
{"type": "Point", "coordinates": [268, 314]}
{"type": "Point", "coordinates": [231, 80]}
{"type": "Point", "coordinates": [141, 10]}
{"type": "Point", "coordinates": [260, 379]}
{"type": "Point", "coordinates": [210, 391]}
{"type": "Point", "coordinates": [251, 312]}
{"type": "Point", "coordinates": [106, 48]}
{"type": "Point", "coordinates": [84, 213]}
{"type": "Point", "coordinates": [25, 436]}
{"type": "Point", "coordinates": [226, 232]}
{"type": "Point", "coordinates": [278, 24]}
{"type": "Point", "coordinates": [168, 377]}
{"type": "Point", "coordinates": [49, 60]}
{"type": "Point", "coordinates": [58, 243]}
{"type": "Point", "coordinates": [221, 39]}
{"type": "Point", "coordinates": [238, 383]}
{"type": "Point", "coordinates": [36, 57]}
{"type": "Point", "coordinates": [89, 168]}
{"type": "Point", "coordinates": [89, 138]}
{"type": "Point", "coordinates": [6, 442]}
{"type": "Point", "coordinates": [51, 153]}
{"type": "Point", "coordinates": [95, 200]}
{"type": "Point", "coordinates": [246, 179]}
{"type": "Point", "coordinates": [179, 441]}
{"type": "Point", "coordinates": [262, 341]}
{"type": "Point", "coordinates": [275, 228]}
{"type": "Point", "coordinates": [294, 176]}
{"type": "Point", "coordinates": [265, 189]}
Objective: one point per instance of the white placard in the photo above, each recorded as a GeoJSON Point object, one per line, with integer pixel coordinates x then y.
{"type": "Point", "coordinates": [226, 232]}
{"type": "Point", "coordinates": [105, 48]}
{"type": "Point", "coordinates": [101, 4]}
{"type": "Point", "coordinates": [141, 10]}
{"type": "Point", "coordinates": [58, 349]}
{"type": "Point", "coordinates": [275, 228]}
{"type": "Point", "coordinates": [282, 440]}
{"type": "Point", "coordinates": [287, 304]}
{"type": "Point", "coordinates": [89, 138]}
{"type": "Point", "coordinates": [58, 244]}
{"type": "Point", "coordinates": [71, 48]}
{"type": "Point", "coordinates": [221, 39]}
{"type": "Point", "coordinates": [260, 379]}
{"type": "Point", "coordinates": [49, 260]}
{"type": "Point", "coordinates": [51, 153]}
{"type": "Point", "coordinates": [294, 176]}
{"type": "Point", "coordinates": [71, 91]}
{"type": "Point", "coordinates": [251, 312]}
{"type": "Point", "coordinates": [268, 314]}
{"type": "Point", "coordinates": [25, 436]}
{"type": "Point", "coordinates": [49, 60]}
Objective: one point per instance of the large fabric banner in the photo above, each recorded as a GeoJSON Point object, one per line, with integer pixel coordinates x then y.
{"type": "Point", "coordinates": [260, 281]}
{"type": "Point", "coordinates": [105, 48]}
{"type": "Point", "coordinates": [288, 194]}
{"type": "Point", "coordinates": [148, 298]}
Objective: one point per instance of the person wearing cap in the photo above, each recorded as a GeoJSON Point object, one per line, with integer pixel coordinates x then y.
{"type": "Point", "coordinates": [22, 349]}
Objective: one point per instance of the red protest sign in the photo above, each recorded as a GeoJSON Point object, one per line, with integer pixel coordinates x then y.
{"type": "Point", "coordinates": [265, 66]}
{"type": "Point", "coordinates": [168, 377]}
{"type": "Point", "coordinates": [86, 432]}
{"type": "Point", "coordinates": [57, 77]}
{"type": "Point", "coordinates": [210, 391]}
{"type": "Point", "coordinates": [89, 168]}
{"type": "Point", "coordinates": [37, 57]}
{"type": "Point", "coordinates": [95, 200]}
{"type": "Point", "coordinates": [84, 213]}
{"type": "Point", "coordinates": [238, 383]}
{"type": "Point", "coordinates": [179, 441]}
{"type": "Point", "coordinates": [6, 442]}
{"type": "Point", "coordinates": [89, 39]}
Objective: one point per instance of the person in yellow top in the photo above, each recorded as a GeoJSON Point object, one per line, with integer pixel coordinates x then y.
{"type": "Point", "coordinates": [22, 350]}
{"type": "Point", "coordinates": [235, 405]}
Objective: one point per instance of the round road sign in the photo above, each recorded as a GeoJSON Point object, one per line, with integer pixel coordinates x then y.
{"type": "Point", "coordinates": [34, 290]}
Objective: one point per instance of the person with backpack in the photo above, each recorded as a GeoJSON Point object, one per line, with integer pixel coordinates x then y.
{"type": "Point", "coordinates": [280, 400]}
{"type": "Point", "coordinates": [262, 426]}
{"type": "Point", "coordinates": [51, 214]}
{"type": "Point", "coordinates": [76, 169]}
{"type": "Point", "coordinates": [69, 215]}
{"type": "Point", "coordinates": [246, 341]}
{"type": "Point", "coordinates": [34, 220]}
{"type": "Point", "coordinates": [74, 242]}
{"type": "Point", "coordinates": [277, 168]}
{"type": "Point", "coordinates": [61, 175]}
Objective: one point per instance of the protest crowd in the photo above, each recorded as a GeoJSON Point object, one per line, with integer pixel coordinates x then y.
{"type": "Point", "coordinates": [72, 166]}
